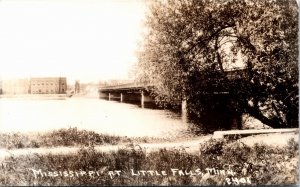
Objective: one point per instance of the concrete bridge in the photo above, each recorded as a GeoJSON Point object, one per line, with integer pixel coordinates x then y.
{"type": "Point", "coordinates": [138, 93]}
{"type": "Point", "coordinates": [131, 92]}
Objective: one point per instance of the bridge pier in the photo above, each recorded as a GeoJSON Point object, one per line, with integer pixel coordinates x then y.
{"type": "Point", "coordinates": [133, 98]}
{"type": "Point", "coordinates": [184, 115]}
{"type": "Point", "coordinates": [115, 96]}
{"type": "Point", "coordinates": [103, 95]}
{"type": "Point", "coordinates": [142, 99]}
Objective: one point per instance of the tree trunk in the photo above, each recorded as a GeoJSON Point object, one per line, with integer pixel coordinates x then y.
{"type": "Point", "coordinates": [256, 113]}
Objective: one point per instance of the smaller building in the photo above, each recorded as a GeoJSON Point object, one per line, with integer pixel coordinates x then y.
{"type": "Point", "coordinates": [48, 85]}
{"type": "Point", "coordinates": [15, 87]}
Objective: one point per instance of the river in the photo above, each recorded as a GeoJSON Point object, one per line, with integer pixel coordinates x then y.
{"type": "Point", "coordinates": [101, 116]}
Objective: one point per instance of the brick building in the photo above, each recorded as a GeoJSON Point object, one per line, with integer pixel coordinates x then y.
{"type": "Point", "coordinates": [48, 85]}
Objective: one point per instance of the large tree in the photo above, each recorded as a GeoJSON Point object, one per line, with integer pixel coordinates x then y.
{"type": "Point", "coordinates": [193, 46]}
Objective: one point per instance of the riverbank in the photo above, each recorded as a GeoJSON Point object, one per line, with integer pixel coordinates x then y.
{"type": "Point", "coordinates": [68, 137]}
{"type": "Point", "coordinates": [73, 137]}
{"type": "Point", "coordinates": [256, 160]}
{"type": "Point", "coordinates": [111, 143]}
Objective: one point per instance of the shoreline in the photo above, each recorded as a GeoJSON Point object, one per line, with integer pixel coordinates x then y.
{"type": "Point", "coordinates": [34, 96]}
{"type": "Point", "coordinates": [190, 146]}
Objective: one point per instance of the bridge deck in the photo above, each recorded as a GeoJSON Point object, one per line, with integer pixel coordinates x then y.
{"type": "Point", "coordinates": [129, 86]}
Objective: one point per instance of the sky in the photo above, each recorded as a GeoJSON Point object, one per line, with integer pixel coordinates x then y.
{"type": "Point", "coordinates": [86, 40]}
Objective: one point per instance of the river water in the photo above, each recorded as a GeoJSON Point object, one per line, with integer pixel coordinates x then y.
{"type": "Point", "coordinates": [101, 116]}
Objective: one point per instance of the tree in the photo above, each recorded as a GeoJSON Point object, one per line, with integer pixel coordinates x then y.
{"type": "Point", "coordinates": [193, 46]}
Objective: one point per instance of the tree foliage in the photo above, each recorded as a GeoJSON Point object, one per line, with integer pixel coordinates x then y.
{"type": "Point", "coordinates": [248, 48]}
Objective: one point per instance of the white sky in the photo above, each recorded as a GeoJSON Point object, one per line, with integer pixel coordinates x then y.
{"type": "Point", "coordinates": [86, 40]}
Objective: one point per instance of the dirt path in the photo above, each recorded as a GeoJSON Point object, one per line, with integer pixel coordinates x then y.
{"type": "Point", "coordinates": [190, 145]}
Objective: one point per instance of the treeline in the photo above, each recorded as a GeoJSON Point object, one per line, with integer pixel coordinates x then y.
{"type": "Point", "coordinates": [235, 56]}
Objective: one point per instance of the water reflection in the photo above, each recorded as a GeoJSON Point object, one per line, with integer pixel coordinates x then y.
{"type": "Point", "coordinates": [101, 116]}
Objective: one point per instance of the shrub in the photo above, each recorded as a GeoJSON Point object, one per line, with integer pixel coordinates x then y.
{"type": "Point", "coordinates": [65, 137]}
{"type": "Point", "coordinates": [263, 164]}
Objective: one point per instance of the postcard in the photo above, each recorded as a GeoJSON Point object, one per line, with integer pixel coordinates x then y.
{"type": "Point", "coordinates": [139, 92]}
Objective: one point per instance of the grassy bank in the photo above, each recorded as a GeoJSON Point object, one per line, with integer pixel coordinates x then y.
{"type": "Point", "coordinates": [220, 162]}
{"type": "Point", "coordinates": [66, 137]}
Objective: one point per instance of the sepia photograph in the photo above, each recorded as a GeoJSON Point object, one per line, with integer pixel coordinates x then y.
{"type": "Point", "coordinates": [149, 93]}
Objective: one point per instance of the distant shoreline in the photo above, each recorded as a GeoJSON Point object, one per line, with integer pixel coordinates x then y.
{"type": "Point", "coordinates": [35, 96]}
{"type": "Point", "coordinates": [47, 96]}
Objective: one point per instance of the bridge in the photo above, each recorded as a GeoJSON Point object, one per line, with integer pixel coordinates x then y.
{"type": "Point", "coordinates": [130, 92]}
{"type": "Point", "coordinates": [138, 93]}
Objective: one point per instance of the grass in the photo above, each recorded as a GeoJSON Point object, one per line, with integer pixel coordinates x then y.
{"type": "Point", "coordinates": [261, 164]}
{"type": "Point", "coordinates": [67, 137]}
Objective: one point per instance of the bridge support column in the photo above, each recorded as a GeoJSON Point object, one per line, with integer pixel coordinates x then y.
{"type": "Point", "coordinates": [142, 99]}
{"type": "Point", "coordinates": [184, 111]}
{"type": "Point", "coordinates": [103, 95]}
{"type": "Point", "coordinates": [109, 96]}
{"type": "Point", "coordinates": [121, 97]}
